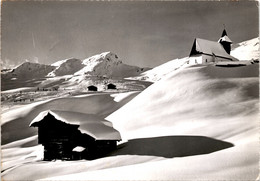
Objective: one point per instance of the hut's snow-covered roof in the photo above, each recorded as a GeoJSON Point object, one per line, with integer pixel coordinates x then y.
{"type": "Point", "coordinates": [210, 48]}
{"type": "Point", "coordinates": [97, 128]}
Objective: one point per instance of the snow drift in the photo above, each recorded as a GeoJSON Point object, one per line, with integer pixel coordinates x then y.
{"type": "Point", "coordinates": [220, 103]}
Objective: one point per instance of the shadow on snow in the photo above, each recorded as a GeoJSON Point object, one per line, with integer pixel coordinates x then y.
{"type": "Point", "coordinates": [171, 146]}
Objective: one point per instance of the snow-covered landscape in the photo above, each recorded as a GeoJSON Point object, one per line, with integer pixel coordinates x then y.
{"type": "Point", "coordinates": [178, 121]}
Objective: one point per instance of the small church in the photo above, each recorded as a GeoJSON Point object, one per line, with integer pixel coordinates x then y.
{"type": "Point", "coordinates": [206, 51]}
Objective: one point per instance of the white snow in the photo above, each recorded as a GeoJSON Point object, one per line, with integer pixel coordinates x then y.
{"type": "Point", "coordinates": [186, 102]}
{"type": "Point", "coordinates": [79, 149]}
{"type": "Point", "coordinates": [121, 96]}
{"type": "Point", "coordinates": [161, 71]}
{"type": "Point", "coordinates": [213, 102]}
{"type": "Point", "coordinates": [247, 50]}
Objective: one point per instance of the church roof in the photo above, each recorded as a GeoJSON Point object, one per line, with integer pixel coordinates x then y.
{"type": "Point", "coordinates": [202, 46]}
{"type": "Point", "coordinates": [97, 128]}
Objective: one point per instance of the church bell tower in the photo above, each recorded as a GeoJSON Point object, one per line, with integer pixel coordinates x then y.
{"type": "Point", "coordinates": [225, 41]}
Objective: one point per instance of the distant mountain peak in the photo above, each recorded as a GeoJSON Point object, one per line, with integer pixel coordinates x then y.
{"type": "Point", "coordinates": [66, 67]}
{"type": "Point", "coordinates": [105, 56]}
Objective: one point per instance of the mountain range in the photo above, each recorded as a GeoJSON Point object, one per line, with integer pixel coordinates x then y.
{"type": "Point", "coordinates": [98, 68]}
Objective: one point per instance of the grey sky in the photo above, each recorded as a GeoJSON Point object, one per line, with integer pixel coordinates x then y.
{"type": "Point", "coordinates": [141, 33]}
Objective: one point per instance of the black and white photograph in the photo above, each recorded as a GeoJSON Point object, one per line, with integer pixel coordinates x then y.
{"type": "Point", "coordinates": [130, 90]}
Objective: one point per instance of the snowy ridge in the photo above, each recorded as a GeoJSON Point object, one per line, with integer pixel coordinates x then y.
{"type": "Point", "coordinates": [66, 67]}
{"type": "Point", "coordinates": [109, 65]}
{"type": "Point", "coordinates": [247, 50]}
{"type": "Point", "coordinates": [29, 70]}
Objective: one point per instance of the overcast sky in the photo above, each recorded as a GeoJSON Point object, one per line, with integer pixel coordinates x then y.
{"type": "Point", "coordinates": [140, 33]}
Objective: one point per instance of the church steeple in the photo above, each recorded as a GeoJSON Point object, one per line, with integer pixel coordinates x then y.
{"type": "Point", "coordinates": [224, 33]}
{"type": "Point", "coordinates": [225, 41]}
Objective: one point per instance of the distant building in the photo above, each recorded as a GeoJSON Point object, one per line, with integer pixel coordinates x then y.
{"type": "Point", "coordinates": [205, 51]}
{"type": "Point", "coordinates": [92, 88]}
{"type": "Point", "coordinates": [71, 136]}
{"type": "Point", "coordinates": [111, 86]}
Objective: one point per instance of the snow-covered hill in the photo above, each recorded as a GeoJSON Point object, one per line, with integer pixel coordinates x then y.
{"type": "Point", "coordinates": [108, 64]}
{"type": "Point", "coordinates": [247, 50]}
{"type": "Point", "coordinates": [161, 71]}
{"type": "Point", "coordinates": [66, 67]}
{"type": "Point", "coordinates": [28, 70]}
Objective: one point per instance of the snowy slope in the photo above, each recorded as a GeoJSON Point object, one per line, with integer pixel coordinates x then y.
{"type": "Point", "coordinates": [197, 124]}
{"type": "Point", "coordinates": [192, 95]}
{"type": "Point", "coordinates": [161, 71]}
{"type": "Point", "coordinates": [198, 109]}
{"type": "Point", "coordinates": [220, 103]}
{"type": "Point", "coordinates": [66, 67]}
{"type": "Point", "coordinates": [247, 50]}
{"type": "Point", "coordinates": [108, 64]}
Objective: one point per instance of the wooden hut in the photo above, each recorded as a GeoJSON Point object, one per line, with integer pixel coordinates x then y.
{"type": "Point", "coordinates": [70, 136]}
{"type": "Point", "coordinates": [111, 86]}
{"type": "Point", "coordinates": [92, 88]}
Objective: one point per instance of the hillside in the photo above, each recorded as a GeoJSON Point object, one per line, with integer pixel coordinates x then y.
{"type": "Point", "coordinates": [220, 103]}
{"type": "Point", "coordinates": [247, 50]}
{"type": "Point", "coordinates": [161, 71]}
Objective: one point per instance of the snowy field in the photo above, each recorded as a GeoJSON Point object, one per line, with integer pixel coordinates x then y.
{"type": "Point", "coordinates": [194, 122]}
{"type": "Point", "coordinates": [199, 123]}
